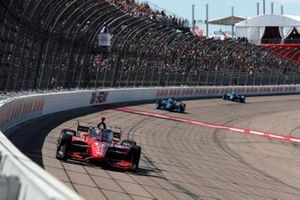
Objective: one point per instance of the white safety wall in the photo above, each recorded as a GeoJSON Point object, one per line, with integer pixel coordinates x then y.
{"type": "Point", "coordinates": [16, 110]}
{"type": "Point", "coordinates": [35, 182]}
{"type": "Point", "coordinates": [19, 109]}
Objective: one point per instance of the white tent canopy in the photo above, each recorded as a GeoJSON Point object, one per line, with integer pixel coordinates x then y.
{"type": "Point", "coordinates": [253, 29]}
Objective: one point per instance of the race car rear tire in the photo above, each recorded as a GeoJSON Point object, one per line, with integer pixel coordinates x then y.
{"type": "Point", "coordinates": [135, 153]}
{"type": "Point", "coordinates": [128, 142]}
{"type": "Point", "coordinates": [242, 100]}
{"type": "Point", "coordinates": [225, 97]}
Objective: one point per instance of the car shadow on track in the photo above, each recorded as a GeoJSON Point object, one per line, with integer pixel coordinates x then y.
{"type": "Point", "coordinates": [166, 112]}
{"type": "Point", "coordinates": [142, 171]}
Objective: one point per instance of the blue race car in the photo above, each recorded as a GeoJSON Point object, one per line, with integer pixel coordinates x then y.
{"type": "Point", "coordinates": [233, 96]}
{"type": "Point", "coordinates": [171, 105]}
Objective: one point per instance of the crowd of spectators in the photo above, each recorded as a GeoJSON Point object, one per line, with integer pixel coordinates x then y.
{"type": "Point", "coordinates": [162, 55]}
{"type": "Point", "coordinates": [153, 55]}
{"type": "Point", "coordinates": [143, 10]}
{"type": "Point", "coordinates": [199, 56]}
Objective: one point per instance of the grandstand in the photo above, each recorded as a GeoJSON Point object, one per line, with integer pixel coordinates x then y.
{"type": "Point", "coordinates": [288, 51]}
{"type": "Point", "coordinates": [54, 44]}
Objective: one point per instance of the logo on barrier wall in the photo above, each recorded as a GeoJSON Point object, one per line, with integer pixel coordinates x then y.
{"type": "Point", "coordinates": [21, 109]}
{"type": "Point", "coordinates": [98, 97]}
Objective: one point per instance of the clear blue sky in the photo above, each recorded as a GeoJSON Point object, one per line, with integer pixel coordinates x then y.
{"type": "Point", "coordinates": [222, 8]}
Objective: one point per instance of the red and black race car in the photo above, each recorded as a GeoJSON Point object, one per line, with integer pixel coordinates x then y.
{"type": "Point", "coordinates": [93, 144]}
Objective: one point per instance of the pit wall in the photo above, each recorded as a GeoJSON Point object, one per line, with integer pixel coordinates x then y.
{"type": "Point", "coordinates": [16, 110]}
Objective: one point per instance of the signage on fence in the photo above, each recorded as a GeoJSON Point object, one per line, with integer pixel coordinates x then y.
{"type": "Point", "coordinates": [104, 37]}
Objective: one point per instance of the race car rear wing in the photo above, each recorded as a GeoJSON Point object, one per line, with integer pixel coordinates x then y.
{"type": "Point", "coordinates": [82, 128]}
{"type": "Point", "coordinates": [117, 133]}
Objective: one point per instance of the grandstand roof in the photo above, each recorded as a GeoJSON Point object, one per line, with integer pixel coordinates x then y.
{"type": "Point", "coordinates": [271, 20]}
{"type": "Point", "coordinates": [227, 21]}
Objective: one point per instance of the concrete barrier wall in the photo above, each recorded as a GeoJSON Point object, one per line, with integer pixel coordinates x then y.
{"type": "Point", "coordinates": [19, 109]}
{"type": "Point", "coordinates": [16, 110]}
{"type": "Point", "coordinates": [35, 183]}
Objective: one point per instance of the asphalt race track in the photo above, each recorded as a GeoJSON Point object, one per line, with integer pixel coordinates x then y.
{"type": "Point", "coordinates": [180, 160]}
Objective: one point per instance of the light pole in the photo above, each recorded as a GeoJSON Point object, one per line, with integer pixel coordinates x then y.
{"type": "Point", "coordinates": [206, 20]}
{"type": "Point", "coordinates": [272, 8]}
{"type": "Point", "coordinates": [232, 24]}
{"type": "Point", "coordinates": [193, 17]}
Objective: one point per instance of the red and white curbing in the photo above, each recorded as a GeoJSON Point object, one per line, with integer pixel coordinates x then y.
{"type": "Point", "coordinates": [211, 125]}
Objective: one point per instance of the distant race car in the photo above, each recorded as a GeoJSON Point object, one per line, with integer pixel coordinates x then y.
{"type": "Point", "coordinates": [93, 144]}
{"type": "Point", "coordinates": [233, 96]}
{"type": "Point", "coordinates": [171, 105]}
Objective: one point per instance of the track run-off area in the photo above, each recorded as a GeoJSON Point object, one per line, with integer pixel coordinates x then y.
{"type": "Point", "coordinates": [216, 150]}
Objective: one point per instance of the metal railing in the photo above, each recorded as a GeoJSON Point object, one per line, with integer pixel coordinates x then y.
{"type": "Point", "coordinates": [50, 45]}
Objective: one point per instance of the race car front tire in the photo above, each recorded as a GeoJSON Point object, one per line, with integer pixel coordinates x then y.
{"type": "Point", "coordinates": [181, 108]}
{"type": "Point", "coordinates": [63, 143]}
{"type": "Point", "coordinates": [158, 105]}
{"type": "Point", "coordinates": [61, 152]}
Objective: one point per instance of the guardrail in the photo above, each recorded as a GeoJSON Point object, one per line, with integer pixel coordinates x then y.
{"type": "Point", "coordinates": [20, 178]}
{"type": "Point", "coordinates": [30, 181]}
